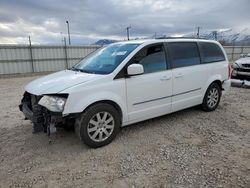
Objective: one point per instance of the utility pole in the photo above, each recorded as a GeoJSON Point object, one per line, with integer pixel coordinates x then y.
{"type": "Point", "coordinates": [198, 31]}
{"type": "Point", "coordinates": [155, 35]}
{"type": "Point", "coordinates": [67, 22]}
{"type": "Point", "coordinates": [65, 52]}
{"type": "Point", "coordinates": [31, 55]}
{"type": "Point", "coordinates": [128, 28]}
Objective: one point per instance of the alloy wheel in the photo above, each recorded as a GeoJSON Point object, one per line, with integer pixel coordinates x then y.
{"type": "Point", "coordinates": [212, 97]}
{"type": "Point", "coordinates": [101, 126]}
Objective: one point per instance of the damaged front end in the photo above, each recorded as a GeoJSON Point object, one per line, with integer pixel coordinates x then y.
{"type": "Point", "coordinates": [45, 112]}
{"type": "Point", "coordinates": [241, 69]}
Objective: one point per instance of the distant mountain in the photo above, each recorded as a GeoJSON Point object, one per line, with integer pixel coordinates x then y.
{"type": "Point", "coordinates": [105, 42]}
{"type": "Point", "coordinates": [226, 36]}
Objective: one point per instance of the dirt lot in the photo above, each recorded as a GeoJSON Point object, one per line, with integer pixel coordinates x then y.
{"type": "Point", "coordinates": [190, 148]}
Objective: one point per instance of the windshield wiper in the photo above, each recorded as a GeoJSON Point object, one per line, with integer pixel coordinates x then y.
{"type": "Point", "coordinates": [74, 69]}
{"type": "Point", "coordinates": [80, 70]}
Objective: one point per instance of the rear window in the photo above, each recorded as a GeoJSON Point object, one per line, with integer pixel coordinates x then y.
{"type": "Point", "coordinates": [211, 52]}
{"type": "Point", "coordinates": [184, 54]}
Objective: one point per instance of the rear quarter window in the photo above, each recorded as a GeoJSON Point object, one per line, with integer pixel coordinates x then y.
{"type": "Point", "coordinates": [211, 52]}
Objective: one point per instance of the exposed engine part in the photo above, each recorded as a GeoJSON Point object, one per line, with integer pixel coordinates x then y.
{"type": "Point", "coordinates": [43, 120]}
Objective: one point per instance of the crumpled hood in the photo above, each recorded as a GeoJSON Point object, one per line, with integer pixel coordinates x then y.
{"type": "Point", "coordinates": [245, 60]}
{"type": "Point", "coordinates": [59, 81]}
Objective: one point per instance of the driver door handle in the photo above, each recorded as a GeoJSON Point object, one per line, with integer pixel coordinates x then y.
{"type": "Point", "coordinates": [165, 78]}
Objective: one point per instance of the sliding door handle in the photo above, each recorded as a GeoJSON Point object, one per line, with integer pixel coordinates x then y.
{"type": "Point", "coordinates": [179, 75]}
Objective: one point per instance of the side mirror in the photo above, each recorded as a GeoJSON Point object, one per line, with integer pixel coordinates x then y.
{"type": "Point", "coordinates": [135, 69]}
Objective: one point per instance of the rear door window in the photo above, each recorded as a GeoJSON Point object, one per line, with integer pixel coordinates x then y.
{"type": "Point", "coordinates": [184, 54]}
{"type": "Point", "coordinates": [211, 52]}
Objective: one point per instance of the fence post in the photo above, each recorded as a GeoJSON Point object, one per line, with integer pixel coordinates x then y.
{"type": "Point", "coordinates": [233, 53]}
{"type": "Point", "coordinates": [31, 55]}
{"type": "Point", "coordinates": [242, 47]}
{"type": "Point", "coordinates": [66, 55]}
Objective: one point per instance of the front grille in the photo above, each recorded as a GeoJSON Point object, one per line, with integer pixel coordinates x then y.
{"type": "Point", "coordinates": [242, 70]}
{"type": "Point", "coordinates": [246, 65]}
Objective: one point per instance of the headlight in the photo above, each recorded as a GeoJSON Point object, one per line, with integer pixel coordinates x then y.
{"type": "Point", "coordinates": [53, 103]}
{"type": "Point", "coordinates": [235, 65]}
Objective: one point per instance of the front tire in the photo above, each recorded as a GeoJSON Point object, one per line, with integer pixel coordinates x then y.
{"type": "Point", "coordinates": [98, 125]}
{"type": "Point", "coordinates": [212, 97]}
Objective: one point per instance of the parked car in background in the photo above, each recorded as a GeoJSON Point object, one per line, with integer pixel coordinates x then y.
{"type": "Point", "coordinates": [127, 82]}
{"type": "Point", "coordinates": [241, 68]}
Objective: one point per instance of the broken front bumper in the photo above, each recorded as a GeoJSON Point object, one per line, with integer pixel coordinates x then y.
{"type": "Point", "coordinates": [32, 111]}
{"type": "Point", "coordinates": [23, 107]}
{"type": "Point", "coordinates": [42, 119]}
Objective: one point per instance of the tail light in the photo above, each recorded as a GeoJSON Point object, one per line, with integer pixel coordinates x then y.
{"type": "Point", "coordinates": [229, 71]}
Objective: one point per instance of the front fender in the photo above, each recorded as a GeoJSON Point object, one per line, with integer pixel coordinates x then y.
{"type": "Point", "coordinates": [76, 104]}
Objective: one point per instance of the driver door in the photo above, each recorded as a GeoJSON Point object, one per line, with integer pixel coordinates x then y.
{"type": "Point", "coordinates": [149, 94]}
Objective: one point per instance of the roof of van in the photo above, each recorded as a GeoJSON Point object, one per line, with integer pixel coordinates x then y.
{"type": "Point", "coordinates": [150, 41]}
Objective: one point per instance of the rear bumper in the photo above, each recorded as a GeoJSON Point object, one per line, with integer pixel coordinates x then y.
{"type": "Point", "coordinates": [226, 86]}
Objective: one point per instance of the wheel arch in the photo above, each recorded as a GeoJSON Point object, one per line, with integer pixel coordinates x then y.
{"type": "Point", "coordinates": [78, 103]}
{"type": "Point", "coordinates": [112, 103]}
{"type": "Point", "coordinates": [217, 82]}
{"type": "Point", "coordinates": [213, 79]}
{"type": "Point", "coordinates": [204, 104]}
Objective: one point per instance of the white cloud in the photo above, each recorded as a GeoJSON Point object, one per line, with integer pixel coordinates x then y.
{"type": "Point", "coordinates": [18, 31]}
{"type": "Point", "coordinates": [94, 19]}
{"type": "Point", "coordinates": [149, 5]}
{"type": "Point", "coordinates": [51, 23]}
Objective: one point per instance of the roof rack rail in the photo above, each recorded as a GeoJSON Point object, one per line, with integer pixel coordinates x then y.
{"type": "Point", "coordinates": [178, 38]}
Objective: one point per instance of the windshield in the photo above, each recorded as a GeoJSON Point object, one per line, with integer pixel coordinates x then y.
{"type": "Point", "coordinates": [106, 59]}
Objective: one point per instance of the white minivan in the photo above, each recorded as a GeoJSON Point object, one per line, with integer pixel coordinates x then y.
{"type": "Point", "coordinates": [127, 82]}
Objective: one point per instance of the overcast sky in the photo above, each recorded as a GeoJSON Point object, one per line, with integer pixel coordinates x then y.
{"type": "Point", "coordinates": [90, 20]}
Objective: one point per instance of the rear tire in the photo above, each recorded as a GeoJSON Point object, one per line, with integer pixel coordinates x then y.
{"type": "Point", "coordinates": [98, 125]}
{"type": "Point", "coordinates": [212, 97]}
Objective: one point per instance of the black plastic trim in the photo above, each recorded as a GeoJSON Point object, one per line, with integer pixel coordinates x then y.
{"type": "Point", "coordinates": [152, 100]}
{"type": "Point", "coordinates": [167, 96]}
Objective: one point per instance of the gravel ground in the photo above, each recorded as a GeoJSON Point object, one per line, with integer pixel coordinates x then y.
{"type": "Point", "coordinates": [190, 148]}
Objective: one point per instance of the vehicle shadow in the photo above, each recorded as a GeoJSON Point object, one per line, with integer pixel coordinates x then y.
{"type": "Point", "coordinates": [64, 139]}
